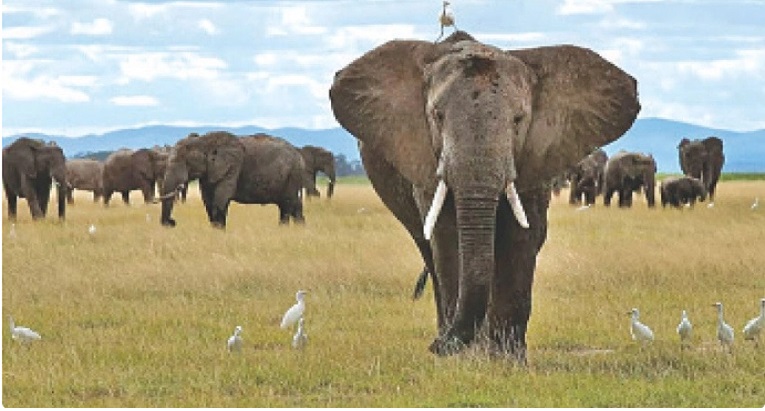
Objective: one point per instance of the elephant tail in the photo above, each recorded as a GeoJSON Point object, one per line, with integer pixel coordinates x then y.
{"type": "Point", "coordinates": [419, 287]}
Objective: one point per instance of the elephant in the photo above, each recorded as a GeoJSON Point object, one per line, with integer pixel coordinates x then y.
{"type": "Point", "coordinates": [626, 172]}
{"type": "Point", "coordinates": [126, 170]}
{"type": "Point", "coordinates": [257, 169]}
{"type": "Point", "coordinates": [29, 168]}
{"type": "Point", "coordinates": [318, 159]}
{"type": "Point", "coordinates": [165, 151]}
{"type": "Point", "coordinates": [84, 174]}
{"type": "Point", "coordinates": [704, 160]}
{"type": "Point", "coordinates": [460, 140]}
{"type": "Point", "coordinates": [558, 183]}
{"type": "Point", "coordinates": [677, 191]}
{"type": "Point", "coordinates": [586, 177]}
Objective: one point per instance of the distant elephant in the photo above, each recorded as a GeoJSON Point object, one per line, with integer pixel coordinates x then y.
{"type": "Point", "coordinates": [126, 170]}
{"type": "Point", "coordinates": [558, 183]}
{"type": "Point", "coordinates": [704, 160]}
{"type": "Point", "coordinates": [626, 172]}
{"type": "Point", "coordinates": [677, 191]}
{"type": "Point", "coordinates": [259, 169]}
{"type": "Point", "coordinates": [460, 140]}
{"type": "Point", "coordinates": [84, 174]}
{"type": "Point", "coordinates": [318, 159]}
{"type": "Point", "coordinates": [29, 168]}
{"type": "Point", "coordinates": [586, 177]}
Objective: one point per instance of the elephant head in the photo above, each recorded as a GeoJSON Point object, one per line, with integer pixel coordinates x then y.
{"type": "Point", "coordinates": [318, 159]}
{"type": "Point", "coordinates": [587, 177]}
{"type": "Point", "coordinates": [468, 132]}
{"type": "Point", "coordinates": [628, 172]}
{"type": "Point", "coordinates": [149, 168]}
{"type": "Point", "coordinates": [215, 159]}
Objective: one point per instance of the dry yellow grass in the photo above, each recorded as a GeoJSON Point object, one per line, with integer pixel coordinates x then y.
{"type": "Point", "coordinates": [138, 315]}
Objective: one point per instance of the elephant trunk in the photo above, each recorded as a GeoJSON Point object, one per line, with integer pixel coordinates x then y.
{"type": "Point", "coordinates": [174, 178]}
{"type": "Point", "coordinates": [59, 175]}
{"type": "Point", "coordinates": [476, 221]}
{"type": "Point", "coordinates": [331, 187]}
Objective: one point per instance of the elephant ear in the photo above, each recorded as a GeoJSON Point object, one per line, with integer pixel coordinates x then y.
{"type": "Point", "coordinates": [224, 161]}
{"type": "Point", "coordinates": [581, 102]}
{"type": "Point", "coordinates": [379, 98]}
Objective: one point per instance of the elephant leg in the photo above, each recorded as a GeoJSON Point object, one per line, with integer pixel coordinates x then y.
{"type": "Point", "coordinates": [148, 192]}
{"type": "Point", "coordinates": [12, 204]}
{"type": "Point", "coordinates": [30, 193]}
{"type": "Point", "coordinates": [223, 192]}
{"type": "Point", "coordinates": [516, 252]}
{"type": "Point", "coordinates": [284, 214]}
{"type": "Point", "coordinates": [43, 196]}
{"type": "Point", "coordinates": [607, 194]}
{"type": "Point", "coordinates": [297, 212]}
{"type": "Point", "coordinates": [70, 196]}
{"type": "Point", "coordinates": [126, 197]}
{"type": "Point", "coordinates": [207, 199]}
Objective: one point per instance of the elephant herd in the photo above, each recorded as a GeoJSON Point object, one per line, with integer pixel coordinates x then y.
{"type": "Point", "coordinates": [259, 169]}
{"type": "Point", "coordinates": [628, 172]}
{"type": "Point", "coordinates": [460, 141]}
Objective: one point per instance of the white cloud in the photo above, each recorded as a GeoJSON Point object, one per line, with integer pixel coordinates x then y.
{"type": "Point", "coordinates": [134, 101]}
{"type": "Point", "coordinates": [351, 38]}
{"type": "Point", "coordinates": [142, 11]}
{"type": "Point", "coordinates": [179, 65]}
{"type": "Point", "coordinates": [17, 84]}
{"type": "Point", "coordinates": [99, 27]}
{"type": "Point", "coordinates": [584, 7]}
{"type": "Point", "coordinates": [294, 20]}
{"type": "Point", "coordinates": [747, 62]}
{"type": "Point", "coordinates": [25, 32]}
{"type": "Point", "coordinates": [612, 22]}
{"type": "Point", "coordinates": [21, 50]}
{"type": "Point", "coordinates": [207, 26]}
{"type": "Point", "coordinates": [40, 12]}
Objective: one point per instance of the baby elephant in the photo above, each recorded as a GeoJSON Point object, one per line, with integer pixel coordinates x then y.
{"type": "Point", "coordinates": [677, 191]}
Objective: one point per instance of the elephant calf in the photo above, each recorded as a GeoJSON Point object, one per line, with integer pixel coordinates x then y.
{"type": "Point", "coordinates": [84, 174]}
{"type": "Point", "coordinates": [677, 191]}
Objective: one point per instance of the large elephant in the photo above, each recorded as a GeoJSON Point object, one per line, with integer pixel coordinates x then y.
{"type": "Point", "coordinates": [29, 168]}
{"type": "Point", "coordinates": [460, 140]}
{"type": "Point", "coordinates": [677, 191]}
{"type": "Point", "coordinates": [165, 150]}
{"type": "Point", "coordinates": [84, 174]}
{"type": "Point", "coordinates": [126, 170]}
{"type": "Point", "coordinates": [626, 172]}
{"type": "Point", "coordinates": [704, 160]}
{"type": "Point", "coordinates": [586, 177]}
{"type": "Point", "coordinates": [258, 169]}
{"type": "Point", "coordinates": [318, 159]}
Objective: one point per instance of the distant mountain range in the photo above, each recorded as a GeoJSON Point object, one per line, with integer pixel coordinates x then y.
{"type": "Point", "coordinates": [744, 152]}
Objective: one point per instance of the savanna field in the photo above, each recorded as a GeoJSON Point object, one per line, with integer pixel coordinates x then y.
{"type": "Point", "coordinates": [137, 315]}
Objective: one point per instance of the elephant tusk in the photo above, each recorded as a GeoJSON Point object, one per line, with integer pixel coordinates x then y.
{"type": "Point", "coordinates": [515, 204]}
{"type": "Point", "coordinates": [435, 209]}
{"type": "Point", "coordinates": [168, 195]}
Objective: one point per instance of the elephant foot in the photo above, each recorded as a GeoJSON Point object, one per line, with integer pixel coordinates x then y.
{"type": "Point", "coordinates": [168, 223]}
{"type": "Point", "coordinates": [447, 345]}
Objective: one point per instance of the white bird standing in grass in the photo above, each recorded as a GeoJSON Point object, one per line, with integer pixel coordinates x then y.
{"type": "Point", "coordinates": [584, 207]}
{"type": "Point", "coordinates": [753, 328]}
{"type": "Point", "coordinates": [12, 232]}
{"type": "Point", "coordinates": [639, 331]}
{"type": "Point", "coordinates": [234, 342]}
{"type": "Point", "coordinates": [710, 205]}
{"type": "Point", "coordinates": [685, 329]}
{"type": "Point", "coordinates": [92, 229]}
{"type": "Point", "coordinates": [300, 339]}
{"type": "Point", "coordinates": [756, 203]}
{"type": "Point", "coordinates": [446, 18]}
{"type": "Point", "coordinates": [22, 334]}
{"type": "Point", "coordinates": [296, 311]}
{"type": "Point", "coordinates": [724, 331]}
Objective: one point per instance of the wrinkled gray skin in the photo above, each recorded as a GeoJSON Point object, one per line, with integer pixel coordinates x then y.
{"type": "Point", "coordinates": [259, 169]}
{"type": "Point", "coordinates": [165, 153]}
{"type": "Point", "coordinates": [318, 159]}
{"type": "Point", "coordinates": [704, 160]}
{"type": "Point", "coordinates": [29, 168]}
{"type": "Point", "coordinates": [126, 170]}
{"type": "Point", "coordinates": [586, 178]}
{"type": "Point", "coordinates": [84, 174]}
{"type": "Point", "coordinates": [489, 117]}
{"type": "Point", "coordinates": [677, 191]}
{"type": "Point", "coordinates": [627, 172]}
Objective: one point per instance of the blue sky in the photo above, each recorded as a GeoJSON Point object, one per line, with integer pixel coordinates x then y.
{"type": "Point", "coordinates": [80, 66]}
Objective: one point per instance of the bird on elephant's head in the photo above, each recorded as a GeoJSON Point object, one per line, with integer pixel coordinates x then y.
{"type": "Point", "coordinates": [482, 131]}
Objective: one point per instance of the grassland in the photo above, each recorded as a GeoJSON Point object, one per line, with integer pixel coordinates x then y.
{"type": "Point", "coordinates": [137, 315]}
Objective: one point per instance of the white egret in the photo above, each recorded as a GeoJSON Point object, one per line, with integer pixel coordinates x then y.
{"type": "Point", "coordinates": [300, 339]}
{"type": "Point", "coordinates": [753, 328]}
{"type": "Point", "coordinates": [639, 331]}
{"type": "Point", "coordinates": [92, 229]}
{"type": "Point", "coordinates": [12, 232]}
{"type": "Point", "coordinates": [446, 18]}
{"type": "Point", "coordinates": [22, 334]}
{"type": "Point", "coordinates": [724, 331]}
{"type": "Point", "coordinates": [234, 342]}
{"type": "Point", "coordinates": [584, 207]}
{"type": "Point", "coordinates": [756, 203]}
{"type": "Point", "coordinates": [710, 205]}
{"type": "Point", "coordinates": [296, 311]}
{"type": "Point", "coordinates": [685, 329]}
